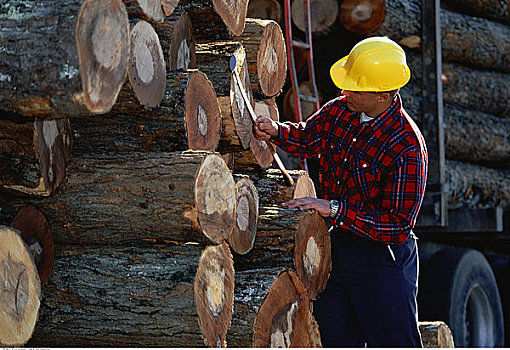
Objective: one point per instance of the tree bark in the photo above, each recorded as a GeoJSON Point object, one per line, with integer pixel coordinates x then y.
{"type": "Point", "coordinates": [436, 335]}
{"type": "Point", "coordinates": [176, 38]}
{"type": "Point", "coordinates": [362, 16]}
{"type": "Point", "coordinates": [215, 20]}
{"type": "Point", "coordinates": [189, 96]}
{"type": "Point", "coordinates": [323, 15]}
{"type": "Point", "coordinates": [214, 60]}
{"type": "Point", "coordinates": [266, 56]}
{"type": "Point", "coordinates": [21, 290]}
{"type": "Point", "coordinates": [214, 293]}
{"type": "Point", "coordinates": [112, 296]}
{"type": "Point", "coordinates": [35, 232]}
{"type": "Point", "coordinates": [474, 186]}
{"type": "Point", "coordinates": [143, 197]}
{"type": "Point", "coordinates": [34, 154]}
{"type": "Point", "coordinates": [468, 40]}
{"type": "Point", "coordinates": [102, 42]}
{"type": "Point", "coordinates": [149, 10]}
{"type": "Point", "coordinates": [39, 64]}
{"type": "Point", "coordinates": [247, 213]}
{"type": "Point", "coordinates": [492, 9]}
{"type": "Point", "coordinates": [284, 319]}
{"type": "Point", "coordinates": [146, 65]}
{"type": "Point", "coordinates": [265, 9]}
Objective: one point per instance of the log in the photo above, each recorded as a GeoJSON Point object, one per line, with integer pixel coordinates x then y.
{"type": "Point", "coordinates": [266, 56]}
{"type": "Point", "coordinates": [265, 9]}
{"type": "Point", "coordinates": [48, 83]}
{"type": "Point", "coordinates": [113, 296]}
{"type": "Point", "coordinates": [35, 232]}
{"type": "Point", "coordinates": [323, 15]}
{"type": "Point", "coordinates": [492, 9]}
{"type": "Point", "coordinates": [362, 16]}
{"type": "Point", "coordinates": [475, 186]}
{"type": "Point", "coordinates": [307, 107]}
{"type": "Point", "coordinates": [102, 42]}
{"type": "Point", "coordinates": [214, 293]}
{"type": "Point", "coordinates": [149, 10]}
{"type": "Point", "coordinates": [21, 290]}
{"type": "Point", "coordinates": [143, 198]}
{"type": "Point", "coordinates": [189, 100]}
{"type": "Point", "coordinates": [146, 65]}
{"type": "Point", "coordinates": [284, 318]}
{"type": "Point", "coordinates": [472, 41]}
{"type": "Point", "coordinates": [215, 19]}
{"type": "Point", "coordinates": [230, 142]}
{"type": "Point", "coordinates": [436, 335]}
{"type": "Point", "coordinates": [169, 6]}
{"type": "Point", "coordinates": [247, 213]}
{"type": "Point", "coordinates": [34, 154]}
{"type": "Point", "coordinates": [214, 60]}
{"type": "Point", "coordinates": [176, 38]}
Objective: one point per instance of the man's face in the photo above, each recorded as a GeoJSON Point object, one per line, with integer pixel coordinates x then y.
{"type": "Point", "coordinates": [360, 101]}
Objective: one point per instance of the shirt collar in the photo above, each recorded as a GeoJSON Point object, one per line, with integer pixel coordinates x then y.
{"type": "Point", "coordinates": [386, 118]}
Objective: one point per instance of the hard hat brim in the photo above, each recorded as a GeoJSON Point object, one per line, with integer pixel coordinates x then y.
{"type": "Point", "coordinates": [338, 74]}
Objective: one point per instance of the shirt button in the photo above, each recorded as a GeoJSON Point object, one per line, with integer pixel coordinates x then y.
{"type": "Point", "coordinates": [332, 146]}
{"type": "Point", "coordinates": [354, 140]}
{"type": "Point", "coordinates": [345, 160]}
{"type": "Point", "coordinates": [341, 223]}
{"type": "Point", "coordinates": [338, 182]}
{"type": "Point", "coordinates": [364, 165]}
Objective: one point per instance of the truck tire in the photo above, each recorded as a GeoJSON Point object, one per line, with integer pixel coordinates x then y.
{"type": "Point", "coordinates": [458, 287]}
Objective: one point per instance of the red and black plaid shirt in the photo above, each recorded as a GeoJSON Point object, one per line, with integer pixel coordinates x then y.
{"type": "Point", "coordinates": [377, 170]}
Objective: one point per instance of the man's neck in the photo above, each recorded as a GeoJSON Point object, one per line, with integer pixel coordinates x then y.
{"type": "Point", "coordinates": [379, 110]}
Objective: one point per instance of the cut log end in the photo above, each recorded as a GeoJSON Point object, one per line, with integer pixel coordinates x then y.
{"type": "Point", "coordinates": [265, 9]}
{"type": "Point", "coordinates": [261, 151]}
{"type": "Point", "coordinates": [21, 290]}
{"type": "Point", "coordinates": [233, 14]}
{"type": "Point", "coordinates": [284, 318]}
{"type": "Point", "coordinates": [312, 253]}
{"type": "Point", "coordinates": [169, 6]}
{"type": "Point", "coordinates": [323, 14]}
{"type": "Point", "coordinates": [272, 60]}
{"type": "Point", "coordinates": [436, 335]}
{"type": "Point", "coordinates": [247, 213]}
{"type": "Point", "coordinates": [203, 119]}
{"type": "Point", "coordinates": [102, 39]}
{"type": "Point", "coordinates": [36, 233]}
{"type": "Point", "coordinates": [304, 186]}
{"type": "Point", "coordinates": [362, 16]}
{"type": "Point", "coordinates": [215, 198]}
{"type": "Point", "coordinates": [214, 293]}
{"type": "Point", "coordinates": [147, 67]}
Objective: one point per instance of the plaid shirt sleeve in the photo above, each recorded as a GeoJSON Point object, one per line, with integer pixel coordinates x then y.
{"type": "Point", "coordinates": [401, 200]}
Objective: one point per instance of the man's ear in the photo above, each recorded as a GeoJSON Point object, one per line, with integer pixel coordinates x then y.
{"type": "Point", "coordinates": [383, 97]}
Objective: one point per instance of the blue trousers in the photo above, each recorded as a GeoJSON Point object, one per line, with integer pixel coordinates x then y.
{"type": "Point", "coordinates": [370, 297]}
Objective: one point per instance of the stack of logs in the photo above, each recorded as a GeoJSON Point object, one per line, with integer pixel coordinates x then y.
{"type": "Point", "coordinates": [476, 71]}
{"type": "Point", "coordinates": [138, 209]}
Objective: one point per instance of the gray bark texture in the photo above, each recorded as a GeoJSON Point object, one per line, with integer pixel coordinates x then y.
{"type": "Point", "coordinates": [496, 10]}
{"type": "Point", "coordinates": [121, 297]}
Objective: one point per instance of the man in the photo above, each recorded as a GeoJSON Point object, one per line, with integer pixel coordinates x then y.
{"type": "Point", "coordinates": [373, 168]}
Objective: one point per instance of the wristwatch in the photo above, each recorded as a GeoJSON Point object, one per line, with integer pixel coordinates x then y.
{"type": "Point", "coordinates": [333, 206]}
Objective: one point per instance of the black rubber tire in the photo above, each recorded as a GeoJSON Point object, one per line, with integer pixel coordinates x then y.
{"type": "Point", "coordinates": [458, 287]}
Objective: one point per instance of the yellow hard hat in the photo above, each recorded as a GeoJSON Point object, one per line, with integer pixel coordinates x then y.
{"type": "Point", "coordinates": [374, 64]}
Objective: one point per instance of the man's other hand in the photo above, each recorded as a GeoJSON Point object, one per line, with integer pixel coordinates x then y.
{"type": "Point", "coordinates": [265, 128]}
{"type": "Point", "coordinates": [320, 205]}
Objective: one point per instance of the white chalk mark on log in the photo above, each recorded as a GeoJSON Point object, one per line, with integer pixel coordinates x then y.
{"type": "Point", "coordinates": [216, 288]}
{"type": "Point", "coordinates": [283, 326]}
{"type": "Point", "coordinates": [144, 64]}
{"type": "Point", "coordinates": [104, 35]}
{"type": "Point", "coordinates": [202, 120]}
{"type": "Point", "coordinates": [311, 258]}
{"type": "Point", "coordinates": [243, 213]}
{"type": "Point", "coordinates": [362, 12]}
{"type": "Point", "coordinates": [183, 56]}
{"type": "Point", "coordinates": [270, 60]}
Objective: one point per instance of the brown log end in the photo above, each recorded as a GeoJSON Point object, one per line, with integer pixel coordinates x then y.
{"type": "Point", "coordinates": [304, 186]}
{"type": "Point", "coordinates": [362, 16]}
{"type": "Point", "coordinates": [272, 60]}
{"type": "Point", "coordinates": [36, 233]}
{"type": "Point", "coordinates": [214, 293]}
{"type": "Point", "coordinates": [323, 14]}
{"type": "Point", "coordinates": [102, 40]}
{"type": "Point", "coordinates": [242, 118]}
{"type": "Point", "coordinates": [265, 9]}
{"type": "Point", "coordinates": [54, 140]}
{"type": "Point", "coordinates": [147, 68]}
{"type": "Point", "coordinates": [312, 253]}
{"type": "Point", "coordinates": [436, 335]}
{"type": "Point", "coordinates": [247, 213]}
{"type": "Point", "coordinates": [169, 6]}
{"type": "Point", "coordinates": [307, 107]}
{"type": "Point", "coordinates": [21, 290]}
{"type": "Point", "coordinates": [284, 318]}
{"type": "Point", "coordinates": [215, 198]}
{"type": "Point", "coordinates": [203, 119]}
{"type": "Point", "coordinates": [181, 54]}
{"type": "Point", "coordinates": [233, 14]}
{"type": "Point", "coordinates": [263, 153]}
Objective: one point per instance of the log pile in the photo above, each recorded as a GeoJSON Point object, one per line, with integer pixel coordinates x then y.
{"type": "Point", "coordinates": [116, 187]}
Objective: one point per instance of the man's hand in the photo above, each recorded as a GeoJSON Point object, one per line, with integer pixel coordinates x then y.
{"type": "Point", "coordinates": [320, 205]}
{"type": "Point", "coordinates": [265, 128]}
